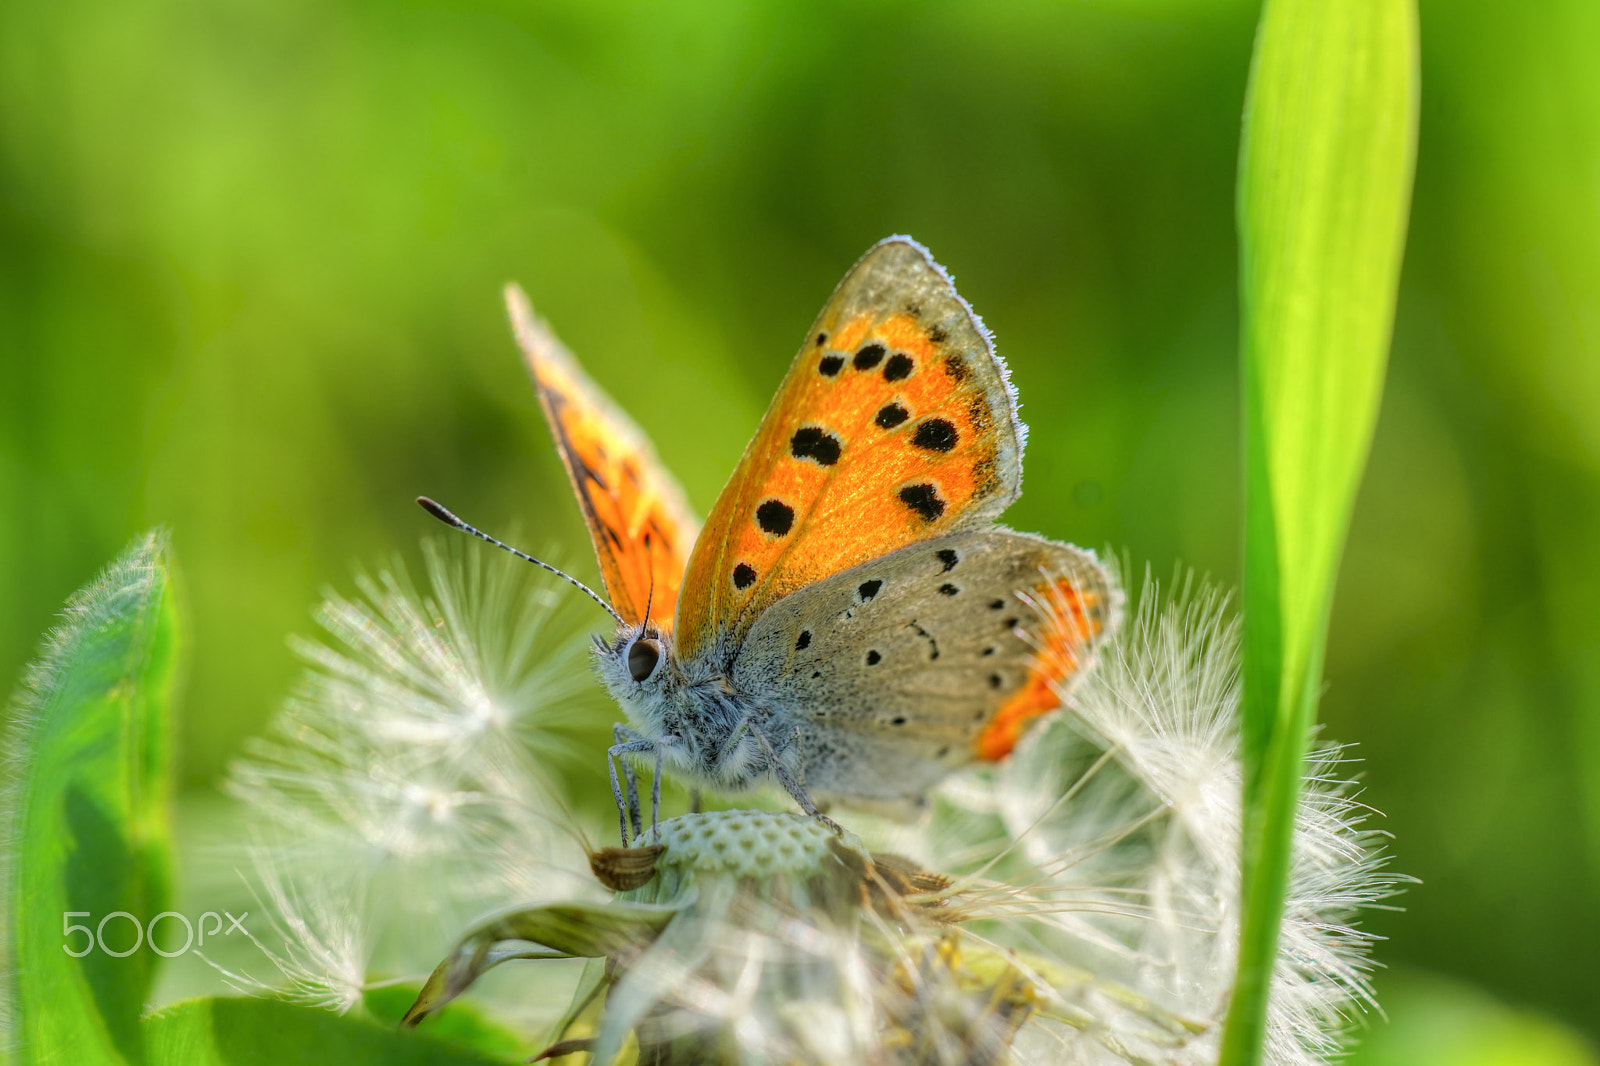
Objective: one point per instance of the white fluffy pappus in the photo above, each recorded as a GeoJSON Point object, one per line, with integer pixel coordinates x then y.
{"type": "Point", "coordinates": [407, 784]}
{"type": "Point", "coordinates": [1110, 842]}
{"type": "Point", "coordinates": [1076, 903]}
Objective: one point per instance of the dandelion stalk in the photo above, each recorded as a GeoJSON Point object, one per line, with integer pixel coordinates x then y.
{"type": "Point", "coordinates": [1324, 187]}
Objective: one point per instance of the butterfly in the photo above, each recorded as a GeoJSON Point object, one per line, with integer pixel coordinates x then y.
{"type": "Point", "coordinates": [850, 620]}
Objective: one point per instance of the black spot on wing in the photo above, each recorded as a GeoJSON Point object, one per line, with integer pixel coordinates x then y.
{"type": "Point", "coordinates": [868, 589]}
{"type": "Point", "coordinates": [775, 517]}
{"type": "Point", "coordinates": [936, 334]}
{"type": "Point", "coordinates": [956, 368]}
{"type": "Point", "coordinates": [873, 658]}
{"type": "Point", "coordinates": [924, 499]}
{"type": "Point", "coordinates": [803, 641]}
{"type": "Point", "coordinates": [868, 357]}
{"type": "Point", "coordinates": [816, 444]}
{"type": "Point", "coordinates": [933, 644]}
{"type": "Point", "coordinates": [898, 719]}
{"type": "Point", "coordinates": [743, 576]}
{"type": "Point", "coordinates": [949, 558]}
{"type": "Point", "coordinates": [997, 605]}
{"type": "Point", "coordinates": [830, 365]}
{"type": "Point", "coordinates": [891, 415]}
{"type": "Point", "coordinates": [822, 338]}
{"type": "Point", "coordinates": [995, 681]}
{"type": "Point", "coordinates": [898, 368]}
{"type": "Point", "coordinates": [948, 590]}
{"type": "Point", "coordinates": [936, 435]}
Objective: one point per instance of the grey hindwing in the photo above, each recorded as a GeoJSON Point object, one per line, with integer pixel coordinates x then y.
{"type": "Point", "coordinates": [890, 670]}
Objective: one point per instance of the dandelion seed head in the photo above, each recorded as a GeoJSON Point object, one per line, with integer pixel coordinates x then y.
{"type": "Point", "coordinates": [406, 785]}
{"type": "Point", "coordinates": [787, 943]}
{"type": "Point", "coordinates": [1127, 810]}
{"type": "Point", "coordinates": [1077, 902]}
{"type": "Point", "coordinates": [741, 844]}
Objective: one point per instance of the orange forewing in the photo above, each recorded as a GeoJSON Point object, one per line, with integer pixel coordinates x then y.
{"type": "Point", "coordinates": [641, 527]}
{"type": "Point", "coordinates": [895, 424]}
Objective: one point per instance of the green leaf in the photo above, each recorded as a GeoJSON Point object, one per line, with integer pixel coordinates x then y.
{"type": "Point", "coordinates": [458, 1023]}
{"type": "Point", "coordinates": [88, 812]}
{"type": "Point", "coordinates": [1324, 186]}
{"type": "Point", "coordinates": [264, 1032]}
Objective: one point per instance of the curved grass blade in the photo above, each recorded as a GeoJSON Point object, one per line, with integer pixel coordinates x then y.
{"type": "Point", "coordinates": [1324, 187]}
{"type": "Point", "coordinates": [86, 815]}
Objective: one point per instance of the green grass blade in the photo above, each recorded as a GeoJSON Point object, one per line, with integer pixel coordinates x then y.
{"type": "Point", "coordinates": [1324, 187]}
{"type": "Point", "coordinates": [86, 815]}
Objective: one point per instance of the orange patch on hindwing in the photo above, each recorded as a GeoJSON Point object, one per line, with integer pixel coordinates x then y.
{"type": "Point", "coordinates": [1074, 619]}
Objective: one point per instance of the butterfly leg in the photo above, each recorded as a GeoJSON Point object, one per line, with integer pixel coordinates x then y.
{"type": "Point", "coordinates": [655, 797]}
{"type": "Point", "coordinates": [694, 801]}
{"type": "Point", "coordinates": [787, 780]}
{"type": "Point", "coordinates": [623, 735]}
{"type": "Point", "coordinates": [630, 805]}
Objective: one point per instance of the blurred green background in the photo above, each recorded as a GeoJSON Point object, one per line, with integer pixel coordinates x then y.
{"type": "Point", "coordinates": [250, 259]}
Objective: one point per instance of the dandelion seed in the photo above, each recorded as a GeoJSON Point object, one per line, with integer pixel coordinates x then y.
{"type": "Point", "coordinates": [316, 943]}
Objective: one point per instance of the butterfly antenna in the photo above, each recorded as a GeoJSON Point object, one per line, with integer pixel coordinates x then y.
{"type": "Point", "coordinates": [443, 514]}
{"type": "Point", "coordinates": [650, 597]}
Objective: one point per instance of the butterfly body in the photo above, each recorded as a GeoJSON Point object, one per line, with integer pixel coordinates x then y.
{"type": "Point", "coordinates": [691, 712]}
{"type": "Point", "coordinates": [850, 621]}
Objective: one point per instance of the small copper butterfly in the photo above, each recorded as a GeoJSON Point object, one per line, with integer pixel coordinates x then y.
{"type": "Point", "coordinates": [850, 620]}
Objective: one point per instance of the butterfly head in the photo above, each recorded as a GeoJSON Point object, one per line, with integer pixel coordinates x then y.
{"type": "Point", "coordinates": [655, 692]}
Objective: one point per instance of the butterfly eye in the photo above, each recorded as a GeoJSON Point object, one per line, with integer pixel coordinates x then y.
{"type": "Point", "coordinates": [642, 658]}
